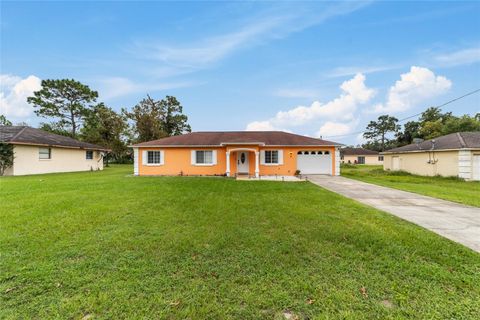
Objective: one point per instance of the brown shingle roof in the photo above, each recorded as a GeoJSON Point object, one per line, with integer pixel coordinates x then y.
{"type": "Point", "coordinates": [459, 140]}
{"type": "Point", "coordinates": [357, 152]}
{"type": "Point", "coordinates": [269, 138]}
{"type": "Point", "coordinates": [32, 136]}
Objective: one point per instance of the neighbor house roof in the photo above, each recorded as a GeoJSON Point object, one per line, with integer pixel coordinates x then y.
{"type": "Point", "coordinates": [357, 152]}
{"type": "Point", "coordinates": [31, 136]}
{"type": "Point", "coordinates": [268, 138]}
{"type": "Point", "coordinates": [453, 141]}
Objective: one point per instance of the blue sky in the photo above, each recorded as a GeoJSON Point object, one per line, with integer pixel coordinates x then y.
{"type": "Point", "coordinates": [314, 68]}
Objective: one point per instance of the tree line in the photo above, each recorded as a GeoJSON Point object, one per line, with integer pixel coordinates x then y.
{"type": "Point", "coordinates": [73, 110]}
{"type": "Point", "coordinates": [386, 133]}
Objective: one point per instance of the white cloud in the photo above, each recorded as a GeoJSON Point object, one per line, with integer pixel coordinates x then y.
{"type": "Point", "coordinates": [8, 81]}
{"type": "Point", "coordinates": [198, 54]}
{"type": "Point", "coordinates": [360, 139]}
{"type": "Point", "coordinates": [211, 49]}
{"type": "Point", "coordinates": [354, 93]}
{"type": "Point", "coordinates": [335, 128]}
{"type": "Point", "coordinates": [114, 87]}
{"type": "Point", "coordinates": [461, 57]}
{"type": "Point", "coordinates": [414, 87]}
{"type": "Point", "coordinates": [350, 71]}
{"type": "Point", "coordinates": [14, 92]}
{"type": "Point", "coordinates": [260, 126]}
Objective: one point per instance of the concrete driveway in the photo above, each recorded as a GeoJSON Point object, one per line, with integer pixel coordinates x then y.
{"type": "Point", "coordinates": [454, 221]}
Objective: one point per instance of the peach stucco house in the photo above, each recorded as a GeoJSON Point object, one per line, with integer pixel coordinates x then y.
{"type": "Point", "coordinates": [252, 153]}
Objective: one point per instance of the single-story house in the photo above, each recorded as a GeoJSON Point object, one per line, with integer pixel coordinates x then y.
{"type": "Point", "coordinates": [456, 154]}
{"type": "Point", "coordinates": [360, 156]}
{"type": "Point", "coordinates": [252, 153]}
{"type": "Point", "coordinates": [37, 151]}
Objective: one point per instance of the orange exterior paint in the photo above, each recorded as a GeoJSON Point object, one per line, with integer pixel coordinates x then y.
{"type": "Point", "coordinates": [177, 160]}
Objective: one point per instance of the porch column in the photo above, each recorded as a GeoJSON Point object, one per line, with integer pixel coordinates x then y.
{"type": "Point", "coordinates": [257, 169]}
{"type": "Point", "coordinates": [228, 164]}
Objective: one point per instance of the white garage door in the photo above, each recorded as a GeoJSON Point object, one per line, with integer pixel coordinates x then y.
{"type": "Point", "coordinates": [314, 162]}
{"type": "Point", "coordinates": [476, 167]}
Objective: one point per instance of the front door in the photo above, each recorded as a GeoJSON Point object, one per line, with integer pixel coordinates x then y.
{"type": "Point", "coordinates": [395, 163]}
{"type": "Point", "coordinates": [242, 162]}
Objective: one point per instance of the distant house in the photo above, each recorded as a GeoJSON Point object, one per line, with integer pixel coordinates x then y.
{"type": "Point", "coordinates": [456, 154]}
{"type": "Point", "coordinates": [37, 151]}
{"type": "Point", "coordinates": [360, 156]}
{"type": "Point", "coordinates": [231, 153]}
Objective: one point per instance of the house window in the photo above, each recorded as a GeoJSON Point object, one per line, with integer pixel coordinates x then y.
{"type": "Point", "coordinates": [45, 153]}
{"type": "Point", "coordinates": [89, 155]}
{"type": "Point", "coordinates": [153, 157]}
{"type": "Point", "coordinates": [271, 156]}
{"type": "Point", "coordinates": [204, 157]}
{"type": "Point", "coordinates": [361, 160]}
{"type": "Point", "coordinates": [380, 158]}
{"type": "Point", "coordinates": [327, 152]}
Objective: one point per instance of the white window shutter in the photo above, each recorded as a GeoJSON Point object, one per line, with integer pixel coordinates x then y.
{"type": "Point", "coordinates": [162, 157]}
{"type": "Point", "coordinates": [214, 157]}
{"type": "Point", "coordinates": [135, 161]}
{"type": "Point", "coordinates": [193, 159]}
{"type": "Point", "coordinates": [280, 156]}
{"type": "Point", "coordinates": [262, 157]}
{"type": "Point", "coordinates": [144, 157]}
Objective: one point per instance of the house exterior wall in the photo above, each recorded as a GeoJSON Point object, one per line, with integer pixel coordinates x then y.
{"type": "Point", "coordinates": [446, 163]}
{"type": "Point", "coordinates": [177, 160]}
{"type": "Point", "coordinates": [370, 159]}
{"type": "Point", "coordinates": [26, 160]}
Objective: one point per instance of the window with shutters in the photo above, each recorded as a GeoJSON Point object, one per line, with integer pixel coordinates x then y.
{"type": "Point", "coordinates": [271, 156]}
{"type": "Point", "coordinates": [154, 157]}
{"type": "Point", "coordinates": [204, 157]}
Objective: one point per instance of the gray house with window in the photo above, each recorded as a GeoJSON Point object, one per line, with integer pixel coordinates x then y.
{"type": "Point", "coordinates": [36, 151]}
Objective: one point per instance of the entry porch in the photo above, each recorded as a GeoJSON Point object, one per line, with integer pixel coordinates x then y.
{"type": "Point", "coordinates": [243, 161]}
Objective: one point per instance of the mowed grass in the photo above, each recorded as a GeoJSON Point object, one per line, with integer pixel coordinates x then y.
{"type": "Point", "coordinates": [447, 188]}
{"type": "Point", "coordinates": [105, 245]}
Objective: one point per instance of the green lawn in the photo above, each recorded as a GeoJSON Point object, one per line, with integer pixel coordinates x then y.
{"type": "Point", "coordinates": [106, 245]}
{"type": "Point", "coordinates": [452, 189]}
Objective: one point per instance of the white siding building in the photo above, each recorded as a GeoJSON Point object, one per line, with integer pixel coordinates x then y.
{"type": "Point", "coordinates": [37, 152]}
{"type": "Point", "coordinates": [453, 155]}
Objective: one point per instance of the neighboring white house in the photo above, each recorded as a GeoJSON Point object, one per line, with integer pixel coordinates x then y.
{"type": "Point", "coordinates": [456, 154]}
{"type": "Point", "coordinates": [37, 151]}
{"type": "Point", "coordinates": [360, 156]}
